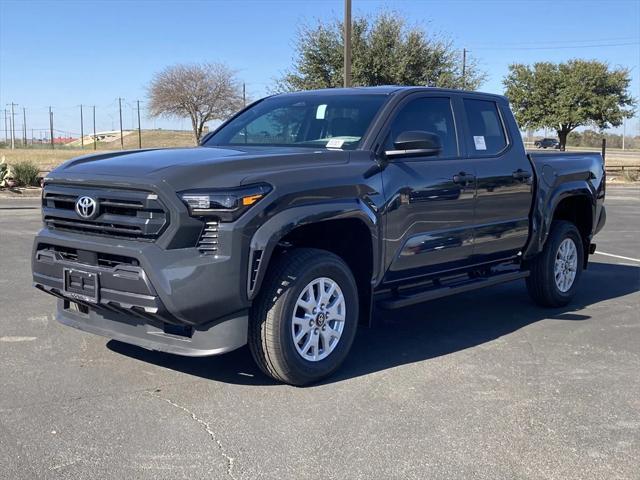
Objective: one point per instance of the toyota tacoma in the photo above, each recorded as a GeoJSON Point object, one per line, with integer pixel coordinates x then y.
{"type": "Point", "coordinates": [303, 213]}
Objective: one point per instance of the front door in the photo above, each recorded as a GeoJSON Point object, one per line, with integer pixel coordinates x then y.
{"type": "Point", "coordinates": [430, 200]}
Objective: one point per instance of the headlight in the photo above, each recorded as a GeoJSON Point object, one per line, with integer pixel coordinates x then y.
{"type": "Point", "coordinates": [227, 204]}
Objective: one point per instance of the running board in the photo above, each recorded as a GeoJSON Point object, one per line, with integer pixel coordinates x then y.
{"type": "Point", "coordinates": [406, 299]}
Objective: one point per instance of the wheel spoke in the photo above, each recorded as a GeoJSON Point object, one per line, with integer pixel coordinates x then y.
{"type": "Point", "coordinates": [307, 345]}
{"type": "Point", "coordinates": [336, 312]}
{"type": "Point", "coordinates": [331, 332]}
{"type": "Point", "coordinates": [326, 295]}
{"type": "Point", "coordinates": [300, 335]}
{"type": "Point", "coordinates": [326, 339]}
{"type": "Point", "coordinates": [315, 338]}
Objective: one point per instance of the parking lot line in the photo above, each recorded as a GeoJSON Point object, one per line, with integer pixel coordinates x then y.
{"type": "Point", "coordinates": [618, 256]}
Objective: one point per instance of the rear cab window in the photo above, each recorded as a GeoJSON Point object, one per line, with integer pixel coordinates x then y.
{"type": "Point", "coordinates": [485, 128]}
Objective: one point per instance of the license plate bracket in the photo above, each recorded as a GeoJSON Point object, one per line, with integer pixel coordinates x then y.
{"type": "Point", "coordinates": [80, 285]}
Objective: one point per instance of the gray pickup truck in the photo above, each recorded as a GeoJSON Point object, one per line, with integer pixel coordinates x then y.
{"type": "Point", "coordinates": [304, 212]}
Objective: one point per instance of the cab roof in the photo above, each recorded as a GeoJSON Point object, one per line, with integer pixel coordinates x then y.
{"type": "Point", "coordinates": [388, 90]}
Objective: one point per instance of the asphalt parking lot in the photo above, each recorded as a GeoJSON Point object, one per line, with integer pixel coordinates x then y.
{"type": "Point", "coordinates": [483, 386]}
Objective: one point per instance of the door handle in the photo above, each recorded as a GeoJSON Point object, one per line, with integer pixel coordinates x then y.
{"type": "Point", "coordinates": [521, 174]}
{"type": "Point", "coordinates": [463, 178]}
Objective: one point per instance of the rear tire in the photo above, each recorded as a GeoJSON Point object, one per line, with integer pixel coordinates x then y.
{"type": "Point", "coordinates": [304, 321]}
{"type": "Point", "coordinates": [555, 273]}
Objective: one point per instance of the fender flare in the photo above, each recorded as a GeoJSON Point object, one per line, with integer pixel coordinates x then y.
{"type": "Point", "coordinates": [266, 238]}
{"type": "Point", "coordinates": [545, 210]}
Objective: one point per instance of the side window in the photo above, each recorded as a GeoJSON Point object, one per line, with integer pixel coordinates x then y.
{"type": "Point", "coordinates": [430, 114]}
{"type": "Point", "coordinates": [485, 127]}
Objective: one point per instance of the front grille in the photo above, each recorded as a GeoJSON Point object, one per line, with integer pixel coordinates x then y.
{"type": "Point", "coordinates": [132, 214]}
{"type": "Point", "coordinates": [98, 259]}
{"type": "Point", "coordinates": [208, 242]}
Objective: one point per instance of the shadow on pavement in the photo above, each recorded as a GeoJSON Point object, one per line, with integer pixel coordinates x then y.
{"type": "Point", "coordinates": [421, 332]}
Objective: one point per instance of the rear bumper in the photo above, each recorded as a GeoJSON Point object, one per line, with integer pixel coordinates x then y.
{"type": "Point", "coordinates": [602, 220]}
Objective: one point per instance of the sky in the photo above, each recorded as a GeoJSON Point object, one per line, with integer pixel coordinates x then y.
{"type": "Point", "coordinates": [67, 53]}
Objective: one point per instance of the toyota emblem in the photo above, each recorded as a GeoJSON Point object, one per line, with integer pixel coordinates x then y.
{"type": "Point", "coordinates": [86, 207]}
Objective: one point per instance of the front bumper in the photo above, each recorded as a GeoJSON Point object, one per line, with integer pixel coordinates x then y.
{"type": "Point", "coordinates": [220, 337]}
{"type": "Point", "coordinates": [178, 301]}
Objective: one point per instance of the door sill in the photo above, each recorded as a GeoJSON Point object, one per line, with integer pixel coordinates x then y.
{"type": "Point", "coordinates": [445, 288]}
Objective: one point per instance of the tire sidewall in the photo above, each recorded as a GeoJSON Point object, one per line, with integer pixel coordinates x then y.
{"type": "Point", "coordinates": [339, 273]}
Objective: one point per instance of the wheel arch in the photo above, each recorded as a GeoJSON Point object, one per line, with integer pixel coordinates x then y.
{"type": "Point", "coordinates": [353, 222]}
{"type": "Point", "coordinates": [574, 202]}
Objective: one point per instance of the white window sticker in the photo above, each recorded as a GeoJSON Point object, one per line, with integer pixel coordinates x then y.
{"type": "Point", "coordinates": [321, 111]}
{"type": "Point", "coordinates": [335, 143]}
{"type": "Point", "coordinates": [479, 141]}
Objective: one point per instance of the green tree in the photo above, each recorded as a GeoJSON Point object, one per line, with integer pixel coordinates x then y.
{"type": "Point", "coordinates": [385, 51]}
{"type": "Point", "coordinates": [568, 95]}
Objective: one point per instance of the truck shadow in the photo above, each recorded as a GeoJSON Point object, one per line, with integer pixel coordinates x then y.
{"type": "Point", "coordinates": [421, 332]}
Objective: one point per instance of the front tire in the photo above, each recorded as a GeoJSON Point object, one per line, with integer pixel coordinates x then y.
{"type": "Point", "coordinates": [555, 272]}
{"type": "Point", "coordinates": [304, 321]}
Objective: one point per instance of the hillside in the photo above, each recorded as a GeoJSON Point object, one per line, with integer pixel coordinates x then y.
{"type": "Point", "coordinates": [47, 159]}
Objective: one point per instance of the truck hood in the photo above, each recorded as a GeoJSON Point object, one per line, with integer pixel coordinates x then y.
{"type": "Point", "coordinates": [195, 167]}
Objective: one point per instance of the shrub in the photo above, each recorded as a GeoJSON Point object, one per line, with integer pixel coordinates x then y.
{"type": "Point", "coordinates": [631, 175]}
{"type": "Point", "coordinates": [5, 172]}
{"type": "Point", "coordinates": [26, 173]}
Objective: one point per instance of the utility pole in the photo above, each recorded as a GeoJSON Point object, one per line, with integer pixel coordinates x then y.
{"type": "Point", "coordinates": [24, 127]}
{"type": "Point", "coordinates": [139, 127]}
{"type": "Point", "coordinates": [10, 129]}
{"type": "Point", "coordinates": [51, 127]}
{"type": "Point", "coordinates": [13, 126]}
{"type": "Point", "coordinates": [81, 128]}
{"type": "Point", "coordinates": [624, 130]}
{"type": "Point", "coordinates": [6, 130]}
{"type": "Point", "coordinates": [94, 128]}
{"type": "Point", "coordinates": [347, 43]}
{"type": "Point", "coordinates": [464, 68]}
{"type": "Point", "coordinates": [120, 111]}
{"type": "Point", "coordinates": [244, 94]}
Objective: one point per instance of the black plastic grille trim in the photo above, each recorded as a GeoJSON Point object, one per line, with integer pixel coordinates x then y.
{"type": "Point", "coordinates": [131, 214]}
{"type": "Point", "coordinates": [208, 242]}
{"type": "Point", "coordinates": [254, 269]}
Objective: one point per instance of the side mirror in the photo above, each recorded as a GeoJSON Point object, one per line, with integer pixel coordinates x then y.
{"type": "Point", "coordinates": [415, 143]}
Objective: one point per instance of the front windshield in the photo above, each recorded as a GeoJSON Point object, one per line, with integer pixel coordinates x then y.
{"type": "Point", "coordinates": [305, 120]}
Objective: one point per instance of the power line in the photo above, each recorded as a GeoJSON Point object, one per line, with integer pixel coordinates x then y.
{"type": "Point", "coordinates": [556, 47]}
{"type": "Point", "coordinates": [556, 41]}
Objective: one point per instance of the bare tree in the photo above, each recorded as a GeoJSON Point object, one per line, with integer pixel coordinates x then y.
{"type": "Point", "coordinates": [201, 92]}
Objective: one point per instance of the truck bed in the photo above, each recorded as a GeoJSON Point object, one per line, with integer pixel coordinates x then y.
{"type": "Point", "coordinates": [560, 175]}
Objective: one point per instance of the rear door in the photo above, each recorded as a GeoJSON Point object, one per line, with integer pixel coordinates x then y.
{"type": "Point", "coordinates": [504, 179]}
{"type": "Point", "coordinates": [429, 214]}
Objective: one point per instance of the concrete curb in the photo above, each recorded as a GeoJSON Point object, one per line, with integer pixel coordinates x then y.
{"type": "Point", "coordinates": [32, 192]}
